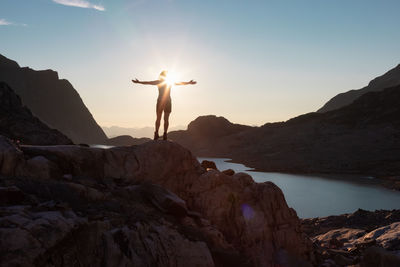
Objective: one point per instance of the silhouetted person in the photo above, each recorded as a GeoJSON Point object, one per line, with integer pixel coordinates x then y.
{"type": "Point", "coordinates": [164, 100]}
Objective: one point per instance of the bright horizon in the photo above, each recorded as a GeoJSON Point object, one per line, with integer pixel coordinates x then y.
{"type": "Point", "coordinates": [255, 62]}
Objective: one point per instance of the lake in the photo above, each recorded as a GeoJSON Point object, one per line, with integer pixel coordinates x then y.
{"type": "Point", "coordinates": [316, 196]}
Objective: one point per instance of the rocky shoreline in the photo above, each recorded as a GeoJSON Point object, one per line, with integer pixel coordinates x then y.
{"type": "Point", "coordinates": [362, 238]}
{"type": "Point", "coordinates": [155, 205]}
{"type": "Point", "coordinates": [390, 182]}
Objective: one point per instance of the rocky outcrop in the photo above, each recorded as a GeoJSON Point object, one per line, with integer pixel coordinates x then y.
{"type": "Point", "coordinates": [253, 217]}
{"type": "Point", "coordinates": [365, 238]}
{"type": "Point", "coordinates": [69, 223]}
{"type": "Point", "coordinates": [360, 219]}
{"type": "Point", "coordinates": [18, 123]}
{"type": "Point", "coordinates": [53, 101]}
{"type": "Point", "coordinates": [229, 219]}
{"type": "Point", "coordinates": [361, 138]}
{"type": "Point", "coordinates": [207, 164]}
{"type": "Point", "coordinates": [389, 79]}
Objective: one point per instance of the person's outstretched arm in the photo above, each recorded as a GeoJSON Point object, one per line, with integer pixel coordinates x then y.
{"type": "Point", "coordinates": [149, 82]}
{"type": "Point", "coordinates": [186, 83]}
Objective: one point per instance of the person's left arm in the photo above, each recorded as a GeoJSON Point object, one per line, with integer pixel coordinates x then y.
{"type": "Point", "coordinates": [186, 83]}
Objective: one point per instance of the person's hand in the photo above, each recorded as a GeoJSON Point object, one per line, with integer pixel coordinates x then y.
{"type": "Point", "coordinates": [135, 81]}
{"type": "Point", "coordinates": [192, 82]}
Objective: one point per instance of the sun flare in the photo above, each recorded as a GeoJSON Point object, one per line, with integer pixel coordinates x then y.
{"type": "Point", "coordinates": [171, 78]}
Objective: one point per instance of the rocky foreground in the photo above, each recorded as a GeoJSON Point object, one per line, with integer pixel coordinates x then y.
{"type": "Point", "coordinates": [147, 205]}
{"type": "Point", "coordinates": [362, 238]}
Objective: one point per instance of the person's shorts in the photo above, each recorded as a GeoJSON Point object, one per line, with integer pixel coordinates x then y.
{"type": "Point", "coordinates": [164, 106]}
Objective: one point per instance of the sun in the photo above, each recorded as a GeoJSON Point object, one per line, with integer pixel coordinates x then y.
{"type": "Point", "coordinates": [171, 78]}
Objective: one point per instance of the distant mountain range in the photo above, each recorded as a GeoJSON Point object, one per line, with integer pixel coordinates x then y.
{"type": "Point", "coordinates": [137, 132]}
{"type": "Point", "coordinates": [389, 79]}
{"type": "Point", "coordinates": [53, 101]}
{"type": "Point", "coordinates": [362, 137]}
{"type": "Point", "coordinates": [126, 140]}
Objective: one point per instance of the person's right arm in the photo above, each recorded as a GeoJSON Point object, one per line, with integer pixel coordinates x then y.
{"type": "Point", "coordinates": [156, 82]}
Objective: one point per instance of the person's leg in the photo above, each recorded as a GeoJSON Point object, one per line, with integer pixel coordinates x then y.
{"type": "Point", "coordinates": [158, 120]}
{"type": "Point", "coordinates": [166, 124]}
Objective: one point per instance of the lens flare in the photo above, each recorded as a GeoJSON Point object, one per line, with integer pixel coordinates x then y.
{"type": "Point", "coordinates": [247, 211]}
{"type": "Point", "coordinates": [171, 78]}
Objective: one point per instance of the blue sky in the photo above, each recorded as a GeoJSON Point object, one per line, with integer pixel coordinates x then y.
{"type": "Point", "coordinates": [255, 61]}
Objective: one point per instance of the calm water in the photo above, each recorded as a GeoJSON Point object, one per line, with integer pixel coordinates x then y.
{"type": "Point", "coordinates": [316, 196]}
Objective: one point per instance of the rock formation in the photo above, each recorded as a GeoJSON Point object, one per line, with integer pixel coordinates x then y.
{"type": "Point", "coordinates": [389, 79]}
{"type": "Point", "coordinates": [361, 138]}
{"type": "Point", "coordinates": [53, 101]}
{"type": "Point", "coordinates": [18, 123]}
{"type": "Point", "coordinates": [206, 132]}
{"type": "Point", "coordinates": [146, 205]}
{"type": "Point", "coordinates": [207, 164]}
{"type": "Point", "coordinates": [362, 238]}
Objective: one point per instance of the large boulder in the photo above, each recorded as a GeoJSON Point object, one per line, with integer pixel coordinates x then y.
{"type": "Point", "coordinates": [387, 236]}
{"type": "Point", "coordinates": [10, 156]}
{"type": "Point", "coordinates": [61, 223]}
{"type": "Point", "coordinates": [253, 218]}
{"type": "Point", "coordinates": [339, 238]}
{"type": "Point", "coordinates": [362, 238]}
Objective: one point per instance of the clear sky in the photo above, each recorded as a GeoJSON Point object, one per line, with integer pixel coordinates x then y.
{"type": "Point", "coordinates": [255, 61]}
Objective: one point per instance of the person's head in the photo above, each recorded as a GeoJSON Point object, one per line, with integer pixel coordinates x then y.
{"type": "Point", "coordinates": [163, 75]}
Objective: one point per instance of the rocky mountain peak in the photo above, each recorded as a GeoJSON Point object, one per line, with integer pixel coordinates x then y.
{"type": "Point", "coordinates": [7, 63]}
{"type": "Point", "coordinates": [389, 79]}
{"type": "Point", "coordinates": [53, 101]}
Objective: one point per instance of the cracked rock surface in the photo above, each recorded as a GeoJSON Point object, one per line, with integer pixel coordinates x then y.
{"type": "Point", "coordinates": [146, 205]}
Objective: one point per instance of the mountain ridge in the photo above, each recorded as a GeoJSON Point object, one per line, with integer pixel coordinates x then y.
{"type": "Point", "coordinates": [361, 138]}
{"type": "Point", "coordinates": [18, 123]}
{"type": "Point", "coordinates": [42, 91]}
{"type": "Point", "coordinates": [388, 79]}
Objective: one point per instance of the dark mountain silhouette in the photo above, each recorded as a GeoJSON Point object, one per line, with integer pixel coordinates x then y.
{"type": "Point", "coordinates": [389, 79]}
{"type": "Point", "coordinates": [114, 131]}
{"type": "Point", "coordinates": [18, 123]}
{"type": "Point", "coordinates": [53, 101]}
{"type": "Point", "coordinates": [363, 138]}
{"type": "Point", "coordinates": [136, 132]}
{"type": "Point", "coordinates": [206, 132]}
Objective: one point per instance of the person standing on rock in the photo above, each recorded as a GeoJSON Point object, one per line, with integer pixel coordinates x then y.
{"type": "Point", "coordinates": [164, 84]}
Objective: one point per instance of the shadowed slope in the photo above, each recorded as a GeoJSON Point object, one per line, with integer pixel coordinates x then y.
{"type": "Point", "coordinates": [53, 101]}
{"type": "Point", "coordinates": [17, 122]}
{"type": "Point", "coordinates": [389, 79]}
